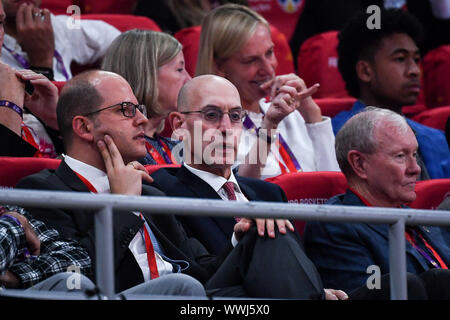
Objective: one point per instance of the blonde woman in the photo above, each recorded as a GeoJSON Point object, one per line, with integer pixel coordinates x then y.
{"type": "Point", "coordinates": [153, 63]}
{"type": "Point", "coordinates": [289, 129]}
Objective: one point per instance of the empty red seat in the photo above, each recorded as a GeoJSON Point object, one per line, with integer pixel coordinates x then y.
{"type": "Point", "coordinates": [435, 118]}
{"type": "Point", "coordinates": [59, 85]}
{"type": "Point", "coordinates": [124, 22]}
{"type": "Point", "coordinates": [430, 193]}
{"type": "Point", "coordinates": [190, 39]}
{"type": "Point", "coordinates": [108, 6]}
{"type": "Point", "coordinates": [13, 169]}
{"type": "Point", "coordinates": [436, 70]}
{"type": "Point", "coordinates": [317, 62]}
{"type": "Point", "coordinates": [310, 188]}
{"type": "Point", "coordinates": [57, 6]}
{"type": "Point", "coordinates": [332, 106]}
{"type": "Point", "coordinates": [154, 167]}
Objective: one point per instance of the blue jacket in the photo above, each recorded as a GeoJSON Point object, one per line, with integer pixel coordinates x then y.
{"type": "Point", "coordinates": [433, 145]}
{"type": "Point", "coordinates": [343, 251]}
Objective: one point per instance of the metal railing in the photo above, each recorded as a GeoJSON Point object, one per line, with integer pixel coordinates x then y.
{"type": "Point", "coordinates": [107, 203]}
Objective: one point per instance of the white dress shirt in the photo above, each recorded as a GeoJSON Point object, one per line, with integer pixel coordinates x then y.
{"type": "Point", "coordinates": [100, 181]}
{"type": "Point", "coordinates": [216, 182]}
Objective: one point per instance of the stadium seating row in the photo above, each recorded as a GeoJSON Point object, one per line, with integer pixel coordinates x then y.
{"type": "Point", "coordinates": [320, 185]}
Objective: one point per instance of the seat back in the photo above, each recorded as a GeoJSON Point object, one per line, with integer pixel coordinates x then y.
{"type": "Point", "coordinates": [13, 169]}
{"type": "Point", "coordinates": [332, 106]}
{"type": "Point", "coordinates": [107, 6]}
{"type": "Point", "coordinates": [317, 62]}
{"type": "Point", "coordinates": [310, 188]}
{"type": "Point", "coordinates": [190, 39]}
{"type": "Point", "coordinates": [124, 22]}
{"type": "Point", "coordinates": [57, 6]}
{"type": "Point", "coordinates": [430, 193]}
{"type": "Point", "coordinates": [436, 70]}
{"type": "Point", "coordinates": [435, 118]}
{"type": "Point", "coordinates": [155, 167]}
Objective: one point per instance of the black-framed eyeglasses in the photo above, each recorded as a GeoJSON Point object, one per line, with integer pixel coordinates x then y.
{"type": "Point", "coordinates": [215, 114]}
{"type": "Point", "coordinates": [128, 109]}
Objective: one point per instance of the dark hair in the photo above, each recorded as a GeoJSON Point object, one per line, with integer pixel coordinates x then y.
{"type": "Point", "coordinates": [357, 41]}
{"type": "Point", "coordinates": [78, 96]}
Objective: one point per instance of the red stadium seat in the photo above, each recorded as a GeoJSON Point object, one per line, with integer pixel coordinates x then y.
{"type": "Point", "coordinates": [59, 85]}
{"type": "Point", "coordinates": [57, 6]}
{"type": "Point", "coordinates": [190, 39]}
{"type": "Point", "coordinates": [310, 188]}
{"type": "Point", "coordinates": [436, 70]}
{"type": "Point", "coordinates": [435, 118]}
{"type": "Point", "coordinates": [108, 6]}
{"type": "Point", "coordinates": [124, 22]}
{"type": "Point", "coordinates": [430, 193]}
{"type": "Point", "coordinates": [13, 169]}
{"type": "Point", "coordinates": [154, 167]}
{"type": "Point", "coordinates": [332, 106]}
{"type": "Point", "coordinates": [282, 14]}
{"type": "Point", "coordinates": [317, 63]}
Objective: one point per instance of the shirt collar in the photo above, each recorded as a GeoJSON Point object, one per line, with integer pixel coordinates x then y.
{"type": "Point", "coordinates": [96, 177]}
{"type": "Point", "coordinates": [216, 182]}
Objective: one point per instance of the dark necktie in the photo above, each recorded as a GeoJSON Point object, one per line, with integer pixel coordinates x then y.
{"type": "Point", "coordinates": [229, 189]}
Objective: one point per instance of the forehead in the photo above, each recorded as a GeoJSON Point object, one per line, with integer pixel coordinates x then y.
{"type": "Point", "coordinates": [114, 89]}
{"type": "Point", "coordinates": [391, 138]}
{"type": "Point", "coordinates": [397, 42]}
{"type": "Point", "coordinates": [215, 93]}
{"type": "Point", "coordinates": [260, 41]}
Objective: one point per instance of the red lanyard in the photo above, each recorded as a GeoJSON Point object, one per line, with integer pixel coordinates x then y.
{"type": "Point", "coordinates": [151, 259]}
{"type": "Point", "coordinates": [165, 158]}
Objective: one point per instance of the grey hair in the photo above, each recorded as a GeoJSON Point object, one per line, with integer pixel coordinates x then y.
{"type": "Point", "coordinates": [358, 133]}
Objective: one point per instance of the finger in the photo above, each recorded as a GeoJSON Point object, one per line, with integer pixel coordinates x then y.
{"type": "Point", "coordinates": [290, 225]}
{"type": "Point", "coordinates": [139, 166]}
{"type": "Point", "coordinates": [268, 84]}
{"type": "Point", "coordinates": [341, 295]}
{"type": "Point", "coordinates": [105, 155]}
{"type": "Point", "coordinates": [116, 157]}
{"type": "Point", "coordinates": [261, 226]}
{"type": "Point", "coordinates": [270, 226]}
{"type": "Point", "coordinates": [308, 92]}
{"type": "Point", "coordinates": [330, 296]}
{"type": "Point", "coordinates": [20, 16]}
{"type": "Point", "coordinates": [281, 225]}
{"type": "Point", "coordinates": [46, 18]}
{"type": "Point", "coordinates": [146, 177]}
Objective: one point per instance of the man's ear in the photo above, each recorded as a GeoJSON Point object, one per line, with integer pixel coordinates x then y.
{"type": "Point", "coordinates": [364, 71]}
{"type": "Point", "coordinates": [357, 161]}
{"type": "Point", "coordinates": [82, 127]}
{"type": "Point", "coordinates": [176, 121]}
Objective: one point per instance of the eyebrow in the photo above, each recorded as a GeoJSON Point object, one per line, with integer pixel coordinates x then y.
{"type": "Point", "coordinates": [217, 107]}
{"type": "Point", "coordinates": [404, 51]}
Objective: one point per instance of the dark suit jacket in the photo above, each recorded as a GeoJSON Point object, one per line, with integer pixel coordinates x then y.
{"type": "Point", "coordinates": [213, 232]}
{"type": "Point", "coordinates": [78, 224]}
{"type": "Point", "coordinates": [12, 145]}
{"type": "Point", "coordinates": [343, 251]}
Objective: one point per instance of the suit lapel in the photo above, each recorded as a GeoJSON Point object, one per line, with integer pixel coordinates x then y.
{"type": "Point", "coordinates": [69, 178]}
{"type": "Point", "coordinates": [351, 199]}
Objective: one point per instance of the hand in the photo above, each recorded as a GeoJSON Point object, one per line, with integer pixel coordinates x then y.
{"type": "Point", "coordinates": [332, 294]}
{"type": "Point", "coordinates": [288, 93]}
{"type": "Point", "coordinates": [262, 225]}
{"type": "Point", "coordinates": [123, 179]}
{"type": "Point", "coordinates": [33, 242]}
{"type": "Point", "coordinates": [42, 103]}
{"type": "Point", "coordinates": [35, 34]}
{"type": "Point", "coordinates": [9, 280]}
{"type": "Point", "coordinates": [11, 88]}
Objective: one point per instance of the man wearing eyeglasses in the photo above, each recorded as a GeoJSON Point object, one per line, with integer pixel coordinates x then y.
{"type": "Point", "coordinates": [102, 128]}
{"type": "Point", "coordinates": [209, 122]}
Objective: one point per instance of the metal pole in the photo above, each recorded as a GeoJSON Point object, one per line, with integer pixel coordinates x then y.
{"type": "Point", "coordinates": [105, 252]}
{"type": "Point", "coordinates": [397, 260]}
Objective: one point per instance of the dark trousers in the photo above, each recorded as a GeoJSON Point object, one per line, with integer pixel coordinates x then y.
{"type": "Point", "coordinates": [433, 284]}
{"type": "Point", "coordinates": [269, 268]}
